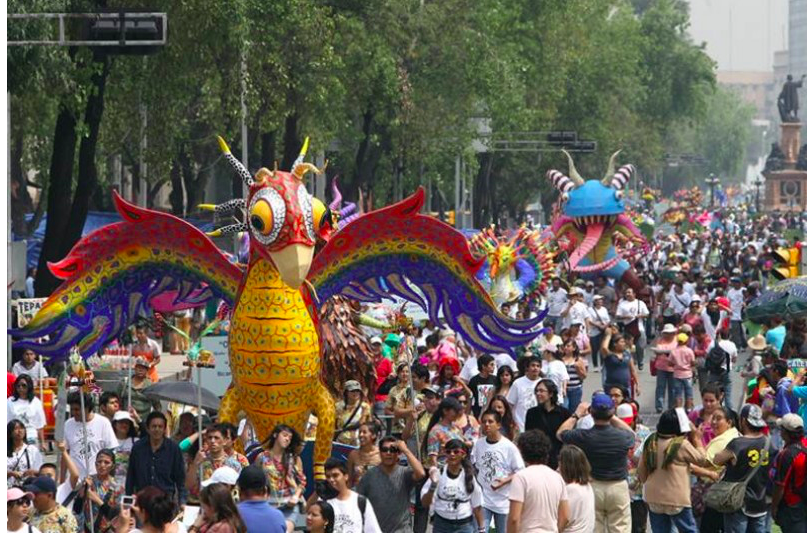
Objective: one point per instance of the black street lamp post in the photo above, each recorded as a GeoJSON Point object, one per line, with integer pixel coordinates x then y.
{"type": "Point", "coordinates": [757, 183]}
{"type": "Point", "coordinates": [711, 181]}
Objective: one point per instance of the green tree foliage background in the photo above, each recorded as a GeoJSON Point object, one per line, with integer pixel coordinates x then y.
{"type": "Point", "coordinates": [388, 90]}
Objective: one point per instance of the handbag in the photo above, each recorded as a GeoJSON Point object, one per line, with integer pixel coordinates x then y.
{"type": "Point", "coordinates": [653, 369]}
{"type": "Point", "coordinates": [729, 496]}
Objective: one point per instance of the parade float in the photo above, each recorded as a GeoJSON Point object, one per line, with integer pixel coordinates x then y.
{"type": "Point", "coordinates": [112, 275]}
{"type": "Point", "coordinates": [593, 226]}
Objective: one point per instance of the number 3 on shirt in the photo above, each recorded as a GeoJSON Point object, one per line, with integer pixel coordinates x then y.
{"type": "Point", "coordinates": [754, 458]}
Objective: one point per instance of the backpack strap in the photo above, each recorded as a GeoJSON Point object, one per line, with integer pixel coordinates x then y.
{"type": "Point", "coordinates": [362, 508]}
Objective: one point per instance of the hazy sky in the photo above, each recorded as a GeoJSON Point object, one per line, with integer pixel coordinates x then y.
{"type": "Point", "coordinates": [740, 34]}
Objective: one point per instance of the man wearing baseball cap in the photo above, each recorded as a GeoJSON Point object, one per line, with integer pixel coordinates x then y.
{"type": "Point", "coordinates": [48, 515]}
{"type": "Point", "coordinates": [741, 455]}
{"type": "Point", "coordinates": [788, 507]}
{"type": "Point", "coordinates": [18, 508]}
{"type": "Point", "coordinates": [606, 446]}
{"type": "Point", "coordinates": [255, 511]}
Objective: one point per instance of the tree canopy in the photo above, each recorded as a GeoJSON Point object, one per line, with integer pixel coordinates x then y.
{"type": "Point", "coordinates": [390, 91]}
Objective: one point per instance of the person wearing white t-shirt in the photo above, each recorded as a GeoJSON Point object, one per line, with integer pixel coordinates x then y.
{"type": "Point", "coordinates": [29, 365]}
{"type": "Point", "coordinates": [554, 369]}
{"type": "Point", "coordinates": [24, 406]}
{"type": "Point", "coordinates": [556, 304]}
{"type": "Point", "coordinates": [496, 460]}
{"type": "Point", "coordinates": [576, 472]}
{"type": "Point", "coordinates": [100, 434]}
{"type": "Point", "coordinates": [736, 296]}
{"type": "Point", "coordinates": [632, 309]}
{"type": "Point", "coordinates": [598, 319]}
{"type": "Point", "coordinates": [453, 494]}
{"type": "Point", "coordinates": [353, 513]}
{"type": "Point", "coordinates": [522, 392]}
{"type": "Point", "coordinates": [539, 500]}
{"type": "Point", "coordinates": [724, 376]}
{"type": "Point", "coordinates": [576, 310]}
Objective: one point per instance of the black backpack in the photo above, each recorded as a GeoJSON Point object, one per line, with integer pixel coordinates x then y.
{"type": "Point", "coordinates": [715, 359]}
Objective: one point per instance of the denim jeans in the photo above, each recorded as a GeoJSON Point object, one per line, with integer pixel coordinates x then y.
{"type": "Point", "coordinates": [664, 387]}
{"type": "Point", "coordinates": [682, 388]}
{"type": "Point", "coordinates": [441, 525]}
{"type": "Point", "coordinates": [724, 379]}
{"type": "Point", "coordinates": [739, 522]}
{"type": "Point", "coordinates": [684, 522]}
{"type": "Point", "coordinates": [596, 343]}
{"type": "Point", "coordinates": [499, 519]}
{"type": "Point", "coordinates": [573, 397]}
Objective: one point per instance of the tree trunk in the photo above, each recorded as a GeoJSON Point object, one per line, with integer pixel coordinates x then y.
{"type": "Point", "coordinates": [21, 202]}
{"type": "Point", "coordinates": [87, 169]}
{"type": "Point", "coordinates": [291, 142]}
{"type": "Point", "coordinates": [175, 197]}
{"type": "Point", "coordinates": [59, 192]}
{"type": "Point", "coordinates": [268, 149]}
{"type": "Point", "coordinates": [359, 170]}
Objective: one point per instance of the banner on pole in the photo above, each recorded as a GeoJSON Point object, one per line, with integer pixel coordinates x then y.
{"type": "Point", "coordinates": [27, 308]}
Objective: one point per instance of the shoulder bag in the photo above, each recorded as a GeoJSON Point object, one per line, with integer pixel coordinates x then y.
{"type": "Point", "coordinates": [729, 496]}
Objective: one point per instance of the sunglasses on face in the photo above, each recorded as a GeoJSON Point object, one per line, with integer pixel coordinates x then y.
{"type": "Point", "coordinates": [389, 449]}
{"type": "Point", "coordinates": [22, 502]}
{"type": "Point", "coordinates": [22, 384]}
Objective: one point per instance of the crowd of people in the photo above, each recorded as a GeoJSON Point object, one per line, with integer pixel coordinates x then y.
{"type": "Point", "coordinates": [463, 441]}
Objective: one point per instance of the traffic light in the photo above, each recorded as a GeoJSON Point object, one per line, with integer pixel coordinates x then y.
{"type": "Point", "coordinates": [787, 260]}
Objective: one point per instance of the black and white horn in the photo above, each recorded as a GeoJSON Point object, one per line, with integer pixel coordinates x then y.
{"type": "Point", "coordinates": [242, 171]}
{"type": "Point", "coordinates": [622, 176]}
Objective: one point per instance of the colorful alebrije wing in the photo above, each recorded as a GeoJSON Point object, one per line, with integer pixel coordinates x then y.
{"type": "Point", "coordinates": [112, 274]}
{"type": "Point", "coordinates": [389, 250]}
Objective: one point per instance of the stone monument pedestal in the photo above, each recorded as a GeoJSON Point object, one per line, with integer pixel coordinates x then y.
{"type": "Point", "coordinates": [791, 142]}
{"type": "Point", "coordinates": [786, 188]}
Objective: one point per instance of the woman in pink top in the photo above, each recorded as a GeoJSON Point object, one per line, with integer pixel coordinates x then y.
{"type": "Point", "coordinates": [664, 368]}
{"type": "Point", "coordinates": [682, 358]}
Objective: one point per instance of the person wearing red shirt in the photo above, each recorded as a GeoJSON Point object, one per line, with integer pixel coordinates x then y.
{"type": "Point", "coordinates": [788, 507]}
{"type": "Point", "coordinates": [11, 378]}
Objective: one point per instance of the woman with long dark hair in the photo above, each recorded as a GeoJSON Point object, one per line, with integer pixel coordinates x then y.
{"type": "Point", "coordinates": [504, 379]}
{"type": "Point", "coordinates": [577, 370]}
{"type": "Point", "coordinates": [466, 421]}
{"type": "Point", "coordinates": [499, 404]}
{"type": "Point", "coordinates": [22, 459]}
{"type": "Point", "coordinates": [573, 465]}
{"type": "Point", "coordinates": [219, 513]}
{"type": "Point", "coordinates": [366, 456]}
{"type": "Point", "coordinates": [285, 481]}
{"type": "Point", "coordinates": [24, 406]}
{"type": "Point", "coordinates": [441, 430]}
{"type": "Point", "coordinates": [453, 493]}
{"type": "Point", "coordinates": [665, 470]}
{"type": "Point", "coordinates": [320, 517]}
{"type": "Point", "coordinates": [99, 492]}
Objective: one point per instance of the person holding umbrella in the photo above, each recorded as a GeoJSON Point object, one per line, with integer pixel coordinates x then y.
{"type": "Point", "coordinates": [141, 403]}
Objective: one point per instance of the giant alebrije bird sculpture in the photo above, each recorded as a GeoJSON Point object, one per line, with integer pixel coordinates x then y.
{"type": "Point", "coordinates": [274, 347]}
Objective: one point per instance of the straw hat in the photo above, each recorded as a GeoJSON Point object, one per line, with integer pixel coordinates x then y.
{"type": "Point", "coordinates": [757, 343]}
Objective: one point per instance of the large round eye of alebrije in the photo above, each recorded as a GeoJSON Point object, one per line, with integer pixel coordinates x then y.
{"type": "Point", "coordinates": [619, 194]}
{"type": "Point", "coordinates": [308, 214]}
{"type": "Point", "coordinates": [267, 212]}
{"type": "Point", "coordinates": [322, 214]}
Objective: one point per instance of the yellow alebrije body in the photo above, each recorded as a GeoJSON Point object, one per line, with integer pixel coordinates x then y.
{"type": "Point", "coordinates": [275, 361]}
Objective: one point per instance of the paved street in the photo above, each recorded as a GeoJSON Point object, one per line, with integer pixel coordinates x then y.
{"type": "Point", "coordinates": [647, 387]}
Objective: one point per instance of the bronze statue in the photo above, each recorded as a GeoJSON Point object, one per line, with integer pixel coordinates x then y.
{"type": "Point", "coordinates": [775, 160]}
{"type": "Point", "coordinates": [788, 101]}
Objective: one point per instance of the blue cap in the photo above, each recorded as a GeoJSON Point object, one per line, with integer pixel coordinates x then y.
{"type": "Point", "coordinates": [41, 484]}
{"type": "Point", "coordinates": [601, 402]}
